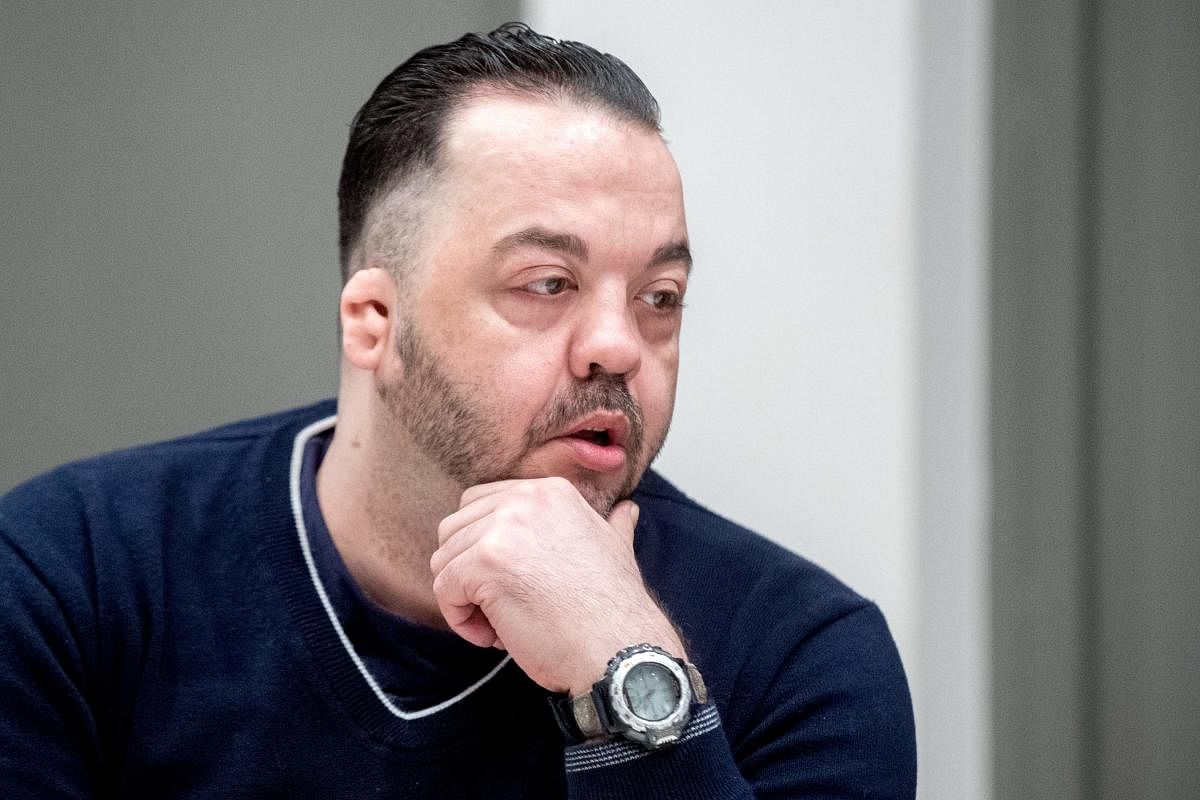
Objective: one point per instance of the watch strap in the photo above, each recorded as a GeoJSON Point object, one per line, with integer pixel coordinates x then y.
{"type": "Point", "coordinates": [564, 714]}
{"type": "Point", "coordinates": [699, 690]}
{"type": "Point", "coordinates": [589, 714]}
{"type": "Point", "coordinates": [579, 718]}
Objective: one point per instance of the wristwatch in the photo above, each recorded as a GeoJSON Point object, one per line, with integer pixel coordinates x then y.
{"type": "Point", "coordinates": [645, 696]}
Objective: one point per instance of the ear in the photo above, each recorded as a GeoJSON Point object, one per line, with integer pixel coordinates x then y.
{"type": "Point", "coordinates": [368, 311]}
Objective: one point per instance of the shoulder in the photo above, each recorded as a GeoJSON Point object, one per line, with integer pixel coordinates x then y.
{"type": "Point", "coordinates": [791, 653]}
{"type": "Point", "coordinates": [142, 472]}
{"type": "Point", "coordinates": [682, 543]}
{"type": "Point", "coordinates": [121, 503]}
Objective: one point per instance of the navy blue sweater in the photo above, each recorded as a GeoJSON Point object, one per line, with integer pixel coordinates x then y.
{"type": "Point", "coordinates": [177, 623]}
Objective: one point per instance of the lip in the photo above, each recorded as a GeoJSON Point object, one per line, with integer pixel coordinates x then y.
{"type": "Point", "coordinates": [593, 456]}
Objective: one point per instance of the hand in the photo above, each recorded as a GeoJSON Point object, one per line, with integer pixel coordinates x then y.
{"type": "Point", "coordinates": [529, 566]}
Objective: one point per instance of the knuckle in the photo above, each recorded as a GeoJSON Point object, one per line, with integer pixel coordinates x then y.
{"type": "Point", "coordinates": [496, 550]}
{"type": "Point", "coordinates": [506, 514]}
{"type": "Point", "coordinates": [441, 583]}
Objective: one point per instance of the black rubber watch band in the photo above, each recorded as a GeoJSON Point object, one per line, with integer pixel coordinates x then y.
{"type": "Point", "coordinates": [564, 715]}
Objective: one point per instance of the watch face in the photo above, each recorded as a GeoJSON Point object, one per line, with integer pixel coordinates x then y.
{"type": "Point", "coordinates": [651, 691]}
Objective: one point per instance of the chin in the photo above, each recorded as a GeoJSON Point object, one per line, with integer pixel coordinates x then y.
{"type": "Point", "coordinates": [603, 497]}
{"type": "Point", "coordinates": [602, 500]}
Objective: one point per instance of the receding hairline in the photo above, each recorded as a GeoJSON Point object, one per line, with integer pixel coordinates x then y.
{"type": "Point", "coordinates": [548, 93]}
{"type": "Point", "coordinates": [410, 188]}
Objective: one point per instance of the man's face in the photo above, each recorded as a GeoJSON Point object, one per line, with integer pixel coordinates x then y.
{"type": "Point", "coordinates": [540, 334]}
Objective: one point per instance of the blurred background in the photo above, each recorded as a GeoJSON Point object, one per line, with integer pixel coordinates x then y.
{"type": "Point", "coordinates": [942, 336]}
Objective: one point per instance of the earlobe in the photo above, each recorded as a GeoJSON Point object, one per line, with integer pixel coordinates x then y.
{"type": "Point", "coordinates": [367, 311]}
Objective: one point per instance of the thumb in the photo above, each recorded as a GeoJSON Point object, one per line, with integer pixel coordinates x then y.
{"type": "Point", "coordinates": [624, 517]}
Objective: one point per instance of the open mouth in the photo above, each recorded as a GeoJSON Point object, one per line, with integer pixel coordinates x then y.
{"type": "Point", "coordinates": [598, 441]}
{"type": "Point", "coordinates": [599, 436]}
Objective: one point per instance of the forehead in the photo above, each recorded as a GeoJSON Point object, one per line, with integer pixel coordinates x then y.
{"type": "Point", "coordinates": [509, 121]}
{"type": "Point", "coordinates": [517, 150]}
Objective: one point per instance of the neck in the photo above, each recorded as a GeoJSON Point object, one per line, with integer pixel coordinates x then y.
{"type": "Point", "coordinates": [382, 502]}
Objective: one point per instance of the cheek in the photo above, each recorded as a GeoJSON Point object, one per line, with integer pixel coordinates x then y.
{"type": "Point", "coordinates": [518, 381]}
{"type": "Point", "coordinates": [654, 387]}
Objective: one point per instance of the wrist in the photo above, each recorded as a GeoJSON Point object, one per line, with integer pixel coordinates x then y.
{"type": "Point", "coordinates": [601, 653]}
{"type": "Point", "coordinates": [645, 696]}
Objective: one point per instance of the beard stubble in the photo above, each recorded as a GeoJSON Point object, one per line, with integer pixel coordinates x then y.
{"type": "Point", "coordinates": [456, 432]}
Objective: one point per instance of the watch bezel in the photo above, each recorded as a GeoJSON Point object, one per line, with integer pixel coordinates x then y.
{"type": "Point", "coordinates": [652, 733]}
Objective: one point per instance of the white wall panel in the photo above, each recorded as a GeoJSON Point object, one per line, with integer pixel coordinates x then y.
{"type": "Point", "coordinates": [793, 129]}
{"type": "Point", "coordinates": [832, 392]}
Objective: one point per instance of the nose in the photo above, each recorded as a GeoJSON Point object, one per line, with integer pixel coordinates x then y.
{"type": "Point", "coordinates": [606, 337]}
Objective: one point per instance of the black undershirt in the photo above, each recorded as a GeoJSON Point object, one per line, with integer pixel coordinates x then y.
{"type": "Point", "coordinates": [416, 665]}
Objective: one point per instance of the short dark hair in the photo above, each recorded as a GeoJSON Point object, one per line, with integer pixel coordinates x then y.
{"type": "Point", "coordinates": [398, 131]}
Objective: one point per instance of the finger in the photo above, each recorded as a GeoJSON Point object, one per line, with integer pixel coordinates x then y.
{"type": "Point", "coordinates": [479, 490]}
{"type": "Point", "coordinates": [623, 518]}
{"type": "Point", "coordinates": [466, 515]}
{"type": "Point", "coordinates": [456, 544]}
{"type": "Point", "coordinates": [463, 616]}
{"type": "Point", "coordinates": [476, 629]}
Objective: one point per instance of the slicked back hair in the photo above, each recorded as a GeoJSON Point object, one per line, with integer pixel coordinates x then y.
{"type": "Point", "coordinates": [397, 134]}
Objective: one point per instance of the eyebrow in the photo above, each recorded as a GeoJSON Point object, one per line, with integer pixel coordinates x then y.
{"type": "Point", "coordinates": [572, 245]}
{"type": "Point", "coordinates": [544, 239]}
{"type": "Point", "coordinates": [672, 252]}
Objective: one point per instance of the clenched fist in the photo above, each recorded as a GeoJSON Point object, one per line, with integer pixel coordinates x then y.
{"type": "Point", "coordinates": [530, 567]}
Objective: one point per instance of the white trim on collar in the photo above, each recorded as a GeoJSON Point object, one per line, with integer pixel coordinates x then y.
{"type": "Point", "coordinates": [298, 515]}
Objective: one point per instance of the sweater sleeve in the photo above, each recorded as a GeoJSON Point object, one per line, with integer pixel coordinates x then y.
{"type": "Point", "coordinates": [49, 742]}
{"type": "Point", "coordinates": [700, 765]}
{"type": "Point", "coordinates": [831, 719]}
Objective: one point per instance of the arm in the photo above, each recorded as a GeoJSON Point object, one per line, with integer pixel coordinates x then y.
{"type": "Point", "coordinates": [49, 738]}
{"type": "Point", "coordinates": [818, 712]}
{"type": "Point", "coordinates": [822, 715]}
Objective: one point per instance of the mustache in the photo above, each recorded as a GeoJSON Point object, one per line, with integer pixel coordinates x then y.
{"type": "Point", "coordinates": [601, 392]}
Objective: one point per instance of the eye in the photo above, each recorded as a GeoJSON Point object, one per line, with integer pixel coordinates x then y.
{"type": "Point", "coordinates": [662, 299]}
{"type": "Point", "coordinates": [548, 286]}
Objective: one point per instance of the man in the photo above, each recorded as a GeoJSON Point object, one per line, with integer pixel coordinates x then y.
{"type": "Point", "coordinates": [466, 583]}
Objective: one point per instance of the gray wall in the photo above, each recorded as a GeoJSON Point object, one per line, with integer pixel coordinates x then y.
{"type": "Point", "coordinates": [953, 708]}
{"type": "Point", "coordinates": [1096, 388]}
{"type": "Point", "coordinates": [167, 227]}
